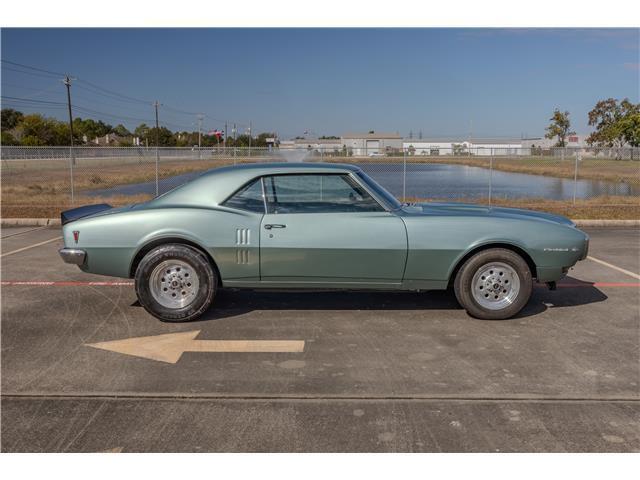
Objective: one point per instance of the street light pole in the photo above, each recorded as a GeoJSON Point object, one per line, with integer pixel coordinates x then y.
{"type": "Point", "coordinates": [250, 135]}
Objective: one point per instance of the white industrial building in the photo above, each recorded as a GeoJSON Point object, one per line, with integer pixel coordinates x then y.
{"type": "Point", "coordinates": [372, 143]}
{"type": "Point", "coordinates": [537, 143]}
{"type": "Point", "coordinates": [457, 146]}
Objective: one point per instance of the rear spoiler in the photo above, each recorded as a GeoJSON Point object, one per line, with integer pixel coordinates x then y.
{"type": "Point", "coordinates": [81, 212]}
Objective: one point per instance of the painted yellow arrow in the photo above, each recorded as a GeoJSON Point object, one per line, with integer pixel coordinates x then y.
{"type": "Point", "coordinates": [169, 347]}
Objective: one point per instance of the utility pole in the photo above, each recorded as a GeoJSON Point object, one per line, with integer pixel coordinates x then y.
{"type": "Point", "coordinates": [156, 104]}
{"type": "Point", "coordinates": [250, 135]}
{"type": "Point", "coordinates": [72, 159]}
{"type": "Point", "coordinates": [200, 117]}
{"type": "Point", "coordinates": [224, 140]}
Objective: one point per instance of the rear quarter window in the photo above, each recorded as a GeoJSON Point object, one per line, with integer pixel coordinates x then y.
{"type": "Point", "coordinates": [248, 198]}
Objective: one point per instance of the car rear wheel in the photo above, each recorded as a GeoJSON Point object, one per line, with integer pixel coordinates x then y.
{"type": "Point", "coordinates": [175, 283]}
{"type": "Point", "coordinates": [494, 284]}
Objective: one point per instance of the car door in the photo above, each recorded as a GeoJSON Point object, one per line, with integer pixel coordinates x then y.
{"type": "Point", "coordinates": [326, 228]}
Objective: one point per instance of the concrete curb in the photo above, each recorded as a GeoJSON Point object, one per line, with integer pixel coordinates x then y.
{"type": "Point", "coordinates": [49, 222]}
{"type": "Point", "coordinates": [607, 223]}
{"type": "Point", "coordinates": [29, 222]}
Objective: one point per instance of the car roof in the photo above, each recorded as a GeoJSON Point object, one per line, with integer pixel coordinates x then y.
{"type": "Point", "coordinates": [214, 186]}
{"type": "Point", "coordinates": [271, 168]}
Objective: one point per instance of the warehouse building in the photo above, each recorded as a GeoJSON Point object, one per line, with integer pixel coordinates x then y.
{"type": "Point", "coordinates": [457, 146]}
{"type": "Point", "coordinates": [372, 143]}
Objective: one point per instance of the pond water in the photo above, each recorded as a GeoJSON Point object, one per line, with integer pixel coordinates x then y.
{"type": "Point", "coordinates": [440, 181]}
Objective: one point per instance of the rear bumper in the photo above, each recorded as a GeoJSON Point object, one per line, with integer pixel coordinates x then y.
{"type": "Point", "coordinates": [74, 256]}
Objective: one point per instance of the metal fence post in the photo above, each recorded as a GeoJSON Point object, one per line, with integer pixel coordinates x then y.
{"type": "Point", "coordinates": [157, 162]}
{"type": "Point", "coordinates": [575, 177]}
{"type": "Point", "coordinates": [491, 176]}
{"type": "Point", "coordinates": [72, 161]}
{"type": "Point", "coordinates": [404, 175]}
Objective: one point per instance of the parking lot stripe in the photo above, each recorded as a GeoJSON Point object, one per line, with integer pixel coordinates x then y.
{"type": "Point", "coordinates": [30, 247]}
{"type": "Point", "coordinates": [621, 270]}
{"type": "Point", "coordinates": [23, 232]}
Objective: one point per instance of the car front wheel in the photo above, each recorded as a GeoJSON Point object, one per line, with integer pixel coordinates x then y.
{"type": "Point", "coordinates": [175, 283]}
{"type": "Point", "coordinates": [494, 284]}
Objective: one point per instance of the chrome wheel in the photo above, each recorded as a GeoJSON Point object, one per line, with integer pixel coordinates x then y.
{"type": "Point", "coordinates": [495, 285]}
{"type": "Point", "coordinates": [174, 284]}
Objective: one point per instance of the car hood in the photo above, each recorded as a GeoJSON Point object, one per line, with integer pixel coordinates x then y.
{"type": "Point", "coordinates": [467, 209]}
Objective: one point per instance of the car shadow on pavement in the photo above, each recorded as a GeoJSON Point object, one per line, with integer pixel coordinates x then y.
{"type": "Point", "coordinates": [233, 302]}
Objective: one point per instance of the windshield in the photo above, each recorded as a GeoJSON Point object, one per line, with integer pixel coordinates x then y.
{"type": "Point", "coordinates": [380, 192]}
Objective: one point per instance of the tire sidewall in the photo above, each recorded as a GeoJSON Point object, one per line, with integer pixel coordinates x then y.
{"type": "Point", "coordinates": [463, 287]}
{"type": "Point", "coordinates": [199, 262]}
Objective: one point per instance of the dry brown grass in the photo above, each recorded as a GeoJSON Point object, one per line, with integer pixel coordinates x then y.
{"type": "Point", "coordinates": [48, 205]}
{"type": "Point", "coordinates": [41, 177]}
{"type": "Point", "coordinates": [597, 208]}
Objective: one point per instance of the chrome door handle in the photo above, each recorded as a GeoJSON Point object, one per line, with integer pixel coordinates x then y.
{"type": "Point", "coordinates": [269, 226]}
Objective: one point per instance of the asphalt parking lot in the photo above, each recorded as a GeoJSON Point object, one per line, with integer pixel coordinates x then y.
{"type": "Point", "coordinates": [377, 371]}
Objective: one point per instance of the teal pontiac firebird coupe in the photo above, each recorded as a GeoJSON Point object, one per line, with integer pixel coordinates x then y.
{"type": "Point", "coordinates": [314, 225]}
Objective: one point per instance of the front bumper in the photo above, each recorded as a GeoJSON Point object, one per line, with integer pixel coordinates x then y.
{"type": "Point", "coordinates": [74, 256]}
{"type": "Point", "coordinates": [585, 251]}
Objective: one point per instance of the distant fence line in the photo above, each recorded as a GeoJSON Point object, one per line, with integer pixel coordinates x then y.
{"type": "Point", "coordinates": [58, 152]}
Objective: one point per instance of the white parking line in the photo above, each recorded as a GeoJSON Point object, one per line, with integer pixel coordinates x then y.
{"type": "Point", "coordinates": [30, 247]}
{"type": "Point", "coordinates": [622, 270]}
{"type": "Point", "coordinates": [24, 231]}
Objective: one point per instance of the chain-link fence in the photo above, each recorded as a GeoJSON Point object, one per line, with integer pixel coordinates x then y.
{"type": "Point", "coordinates": [42, 181]}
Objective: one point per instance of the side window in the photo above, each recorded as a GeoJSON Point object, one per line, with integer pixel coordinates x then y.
{"type": "Point", "coordinates": [317, 194]}
{"type": "Point", "coordinates": [248, 198]}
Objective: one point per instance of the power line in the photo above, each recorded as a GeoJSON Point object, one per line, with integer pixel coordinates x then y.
{"type": "Point", "coordinates": [119, 98]}
{"type": "Point", "coordinates": [116, 94]}
{"type": "Point", "coordinates": [102, 91]}
{"type": "Point", "coordinates": [33, 68]}
{"type": "Point", "coordinates": [32, 100]}
{"type": "Point", "coordinates": [40, 75]}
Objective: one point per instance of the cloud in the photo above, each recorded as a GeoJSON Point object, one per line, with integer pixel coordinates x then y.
{"type": "Point", "coordinates": [631, 66]}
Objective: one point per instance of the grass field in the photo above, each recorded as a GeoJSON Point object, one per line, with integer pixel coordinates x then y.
{"type": "Point", "coordinates": [49, 205]}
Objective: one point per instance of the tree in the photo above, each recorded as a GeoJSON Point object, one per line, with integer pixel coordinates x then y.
{"type": "Point", "coordinates": [630, 126]}
{"type": "Point", "coordinates": [90, 128]}
{"type": "Point", "coordinates": [165, 137]}
{"type": "Point", "coordinates": [35, 129]}
{"type": "Point", "coordinates": [560, 127]}
{"type": "Point", "coordinates": [121, 131]}
{"type": "Point", "coordinates": [141, 131]}
{"type": "Point", "coordinates": [616, 123]}
{"type": "Point", "coordinates": [8, 139]}
{"type": "Point", "coordinates": [10, 118]}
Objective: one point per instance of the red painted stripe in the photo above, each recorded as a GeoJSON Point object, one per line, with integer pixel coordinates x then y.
{"type": "Point", "coordinates": [589, 284]}
{"type": "Point", "coordinates": [124, 283]}
{"type": "Point", "coordinates": [64, 284]}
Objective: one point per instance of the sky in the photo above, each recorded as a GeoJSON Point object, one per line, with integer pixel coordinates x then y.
{"type": "Point", "coordinates": [441, 82]}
